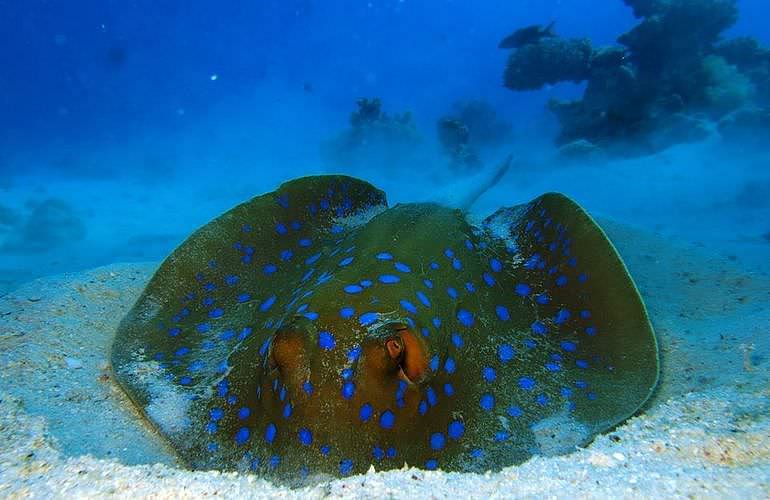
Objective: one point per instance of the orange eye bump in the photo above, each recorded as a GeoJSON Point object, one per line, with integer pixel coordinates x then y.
{"type": "Point", "coordinates": [394, 347]}
{"type": "Point", "coordinates": [415, 362]}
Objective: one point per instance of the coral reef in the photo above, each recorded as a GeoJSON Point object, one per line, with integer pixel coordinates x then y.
{"type": "Point", "coordinates": [527, 35]}
{"type": "Point", "coordinates": [485, 128]}
{"type": "Point", "coordinates": [753, 61]}
{"type": "Point", "coordinates": [549, 61]}
{"type": "Point", "coordinates": [372, 131]}
{"type": "Point", "coordinates": [669, 79]}
{"type": "Point", "coordinates": [454, 137]}
{"type": "Point", "coordinates": [472, 126]}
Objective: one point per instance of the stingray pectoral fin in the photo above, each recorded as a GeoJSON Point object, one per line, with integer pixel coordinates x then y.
{"type": "Point", "coordinates": [616, 339]}
{"type": "Point", "coordinates": [588, 311]}
{"type": "Point", "coordinates": [213, 305]}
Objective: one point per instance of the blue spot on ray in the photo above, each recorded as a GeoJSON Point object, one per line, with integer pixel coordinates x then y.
{"type": "Point", "coordinates": [365, 412]}
{"type": "Point", "coordinates": [456, 429]}
{"type": "Point", "coordinates": [539, 328]}
{"type": "Point", "coordinates": [268, 303]}
{"type": "Point", "coordinates": [400, 266]}
{"type": "Point", "coordinates": [305, 436]}
{"type": "Point", "coordinates": [408, 306]}
{"type": "Point", "coordinates": [348, 389]}
{"type": "Point", "coordinates": [346, 466]}
{"type": "Point", "coordinates": [562, 316]}
{"type": "Point", "coordinates": [526, 383]}
{"type": "Point", "coordinates": [430, 394]}
{"type": "Point", "coordinates": [506, 352]}
{"type": "Point", "coordinates": [368, 318]}
{"type": "Point", "coordinates": [523, 289]}
{"type": "Point", "coordinates": [437, 441]}
{"type": "Point", "coordinates": [465, 318]}
{"type": "Point", "coordinates": [326, 340]}
{"type": "Point", "coordinates": [242, 435]}
{"type": "Point", "coordinates": [270, 432]}
{"type": "Point", "coordinates": [387, 419]}
{"type": "Point", "coordinates": [487, 402]}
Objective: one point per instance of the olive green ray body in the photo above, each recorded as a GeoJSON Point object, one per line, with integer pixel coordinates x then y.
{"type": "Point", "coordinates": [534, 335]}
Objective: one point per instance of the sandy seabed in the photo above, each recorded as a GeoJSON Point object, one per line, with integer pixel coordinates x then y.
{"type": "Point", "coordinates": [66, 430]}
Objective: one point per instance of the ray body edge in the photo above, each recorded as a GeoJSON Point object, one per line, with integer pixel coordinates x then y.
{"type": "Point", "coordinates": [314, 331]}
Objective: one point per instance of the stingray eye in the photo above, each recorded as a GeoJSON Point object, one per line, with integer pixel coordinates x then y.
{"type": "Point", "coordinates": [406, 349]}
{"type": "Point", "coordinates": [395, 347]}
{"type": "Point", "coordinates": [287, 350]}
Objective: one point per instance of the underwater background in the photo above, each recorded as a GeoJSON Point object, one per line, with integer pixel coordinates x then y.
{"type": "Point", "coordinates": [128, 124]}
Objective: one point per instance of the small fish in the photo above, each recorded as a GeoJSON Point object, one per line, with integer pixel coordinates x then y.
{"type": "Point", "coordinates": [526, 36]}
{"type": "Point", "coordinates": [313, 331]}
{"type": "Point", "coordinates": [307, 87]}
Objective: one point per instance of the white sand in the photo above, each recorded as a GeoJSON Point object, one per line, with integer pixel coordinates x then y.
{"type": "Point", "coordinates": [67, 431]}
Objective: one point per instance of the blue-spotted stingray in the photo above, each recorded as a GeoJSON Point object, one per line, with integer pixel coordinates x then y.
{"type": "Point", "coordinates": [314, 332]}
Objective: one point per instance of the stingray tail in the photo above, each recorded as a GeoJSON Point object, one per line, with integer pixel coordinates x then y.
{"type": "Point", "coordinates": [499, 172]}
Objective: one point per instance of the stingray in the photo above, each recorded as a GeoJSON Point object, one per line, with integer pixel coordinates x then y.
{"type": "Point", "coordinates": [313, 332]}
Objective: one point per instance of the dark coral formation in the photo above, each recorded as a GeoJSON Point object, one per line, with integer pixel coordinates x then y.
{"type": "Point", "coordinates": [549, 61]}
{"type": "Point", "coordinates": [669, 79]}
{"type": "Point", "coordinates": [454, 137]}
{"type": "Point", "coordinates": [373, 132]}
{"type": "Point", "coordinates": [753, 61]}
{"type": "Point", "coordinates": [485, 127]}
{"type": "Point", "coordinates": [472, 126]}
